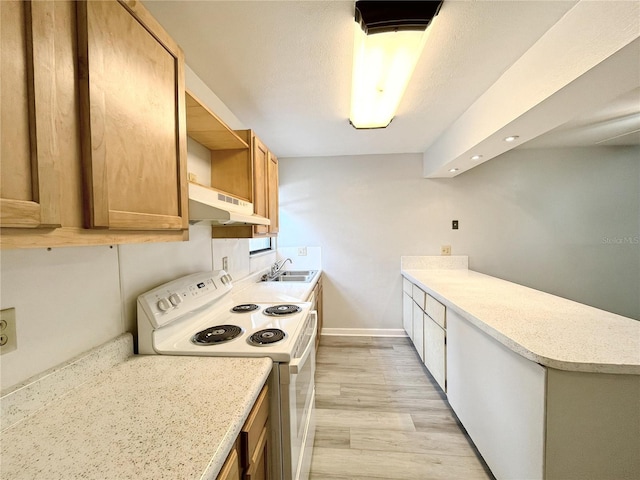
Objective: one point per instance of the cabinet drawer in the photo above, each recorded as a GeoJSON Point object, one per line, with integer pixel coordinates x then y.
{"type": "Point", "coordinates": [253, 427]}
{"type": "Point", "coordinates": [418, 296]}
{"type": "Point", "coordinates": [406, 286]}
{"type": "Point", "coordinates": [436, 311]}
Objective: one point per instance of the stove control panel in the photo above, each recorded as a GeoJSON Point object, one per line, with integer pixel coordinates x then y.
{"type": "Point", "coordinates": [167, 302]}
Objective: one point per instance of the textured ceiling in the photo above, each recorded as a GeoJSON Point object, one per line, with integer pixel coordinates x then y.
{"type": "Point", "coordinates": [284, 67]}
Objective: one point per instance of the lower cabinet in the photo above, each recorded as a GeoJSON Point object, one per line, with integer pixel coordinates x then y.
{"type": "Point", "coordinates": [435, 351]}
{"type": "Point", "coordinates": [248, 459]}
{"type": "Point", "coordinates": [407, 314]}
{"type": "Point", "coordinates": [535, 422]}
{"type": "Point", "coordinates": [424, 320]}
{"type": "Point", "coordinates": [499, 396]}
{"type": "Point", "coordinates": [231, 468]}
{"type": "Point", "coordinates": [418, 330]}
{"type": "Point", "coordinates": [316, 298]}
{"type": "Point", "coordinates": [527, 420]}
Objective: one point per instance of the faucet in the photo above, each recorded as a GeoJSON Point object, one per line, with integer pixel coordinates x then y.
{"type": "Point", "coordinates": [276, 267]}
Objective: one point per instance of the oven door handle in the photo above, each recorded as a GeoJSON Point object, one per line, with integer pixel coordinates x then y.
{"type": "Point", "coordinates": [296, 364]}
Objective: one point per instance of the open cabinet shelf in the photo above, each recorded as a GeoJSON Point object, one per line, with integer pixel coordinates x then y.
{"type": "Point", "coordinates": [206, 128]}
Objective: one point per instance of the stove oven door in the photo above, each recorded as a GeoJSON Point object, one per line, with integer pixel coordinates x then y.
{"type": "Point", "coordinates": [298, 398]}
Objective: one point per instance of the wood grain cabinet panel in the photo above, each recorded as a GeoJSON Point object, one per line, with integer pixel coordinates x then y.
{"type": "Point", "coordinates": [231, 469]}
{"type": "Point", "coordinates": [29, 186]}
{"type": "Point", "coordinates": [250, 175]}
{"type": "Point", "coordinates": [259, 468]}
{"type": "Point", "coordinates": [260, 188]}
{"type": "Point", "coordinates": [316, 296]}
{"type": "Point", "coordinates": [254, 440]}
{"type": "Point", "coordinates": [132, 106]}
{"type": "Point", "coordinates": [272, 193]}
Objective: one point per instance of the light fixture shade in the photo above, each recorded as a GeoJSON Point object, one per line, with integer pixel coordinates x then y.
{"type": "Point", "coordinates": [388, 39]}
{"type": "Point", "coordinates": [382, 67]}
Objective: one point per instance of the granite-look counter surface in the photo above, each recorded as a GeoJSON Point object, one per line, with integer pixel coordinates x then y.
{"type": "Point", "coordinates": [149, 417]}
{"type": "Point", "coordinates": [544, 328]}
{"type": "Point", "coordinates": [251, 289]}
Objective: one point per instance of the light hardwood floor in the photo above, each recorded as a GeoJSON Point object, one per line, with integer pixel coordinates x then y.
{"type": "Point", "coordinates": [380, 415]}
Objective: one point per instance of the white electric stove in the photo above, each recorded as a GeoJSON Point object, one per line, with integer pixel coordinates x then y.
{"type": "Point", "coordinates": [196, 315]}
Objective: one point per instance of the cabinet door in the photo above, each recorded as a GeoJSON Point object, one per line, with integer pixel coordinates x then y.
{"type": "Point", "coordinates": [132, 106]}
{"type": "Point", "coordinates": [231, 468]}
{"type": "Point", "coordinates": [435, 351]}
{"type": "Point", "coordinates": [29, 184]}
{"type": "Point", "coordinates": [318, 294]}
{"type": "Point", "coordinates": [272, 174]}
{"type": "Point", "coordinates": [259, 466]}
{"type": "Point", "coordinates": [499, 396]}
{"type": "Point", "coordinates": [418, 329]}
{"type": "Point", "coordinates": [407, 314]}
{"type": "Point", "coordinates": [260, 198]}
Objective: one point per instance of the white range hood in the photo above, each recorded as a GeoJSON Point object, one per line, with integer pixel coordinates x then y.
{"type": "Point", "coordinates": [209, 206]}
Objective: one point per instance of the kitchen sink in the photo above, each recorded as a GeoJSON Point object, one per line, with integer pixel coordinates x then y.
{"type": "Point", "coordinates": [298, 273]}
{"type": "Point", "coordinates": [303, 276]}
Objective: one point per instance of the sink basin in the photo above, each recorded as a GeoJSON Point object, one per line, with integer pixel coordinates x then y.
{"type": "Point", "coordinates": [291, 278]}
{"type": "Point", "coordinates": [298, 273]}
{"type": "Point", "coordinates": [303, 276]}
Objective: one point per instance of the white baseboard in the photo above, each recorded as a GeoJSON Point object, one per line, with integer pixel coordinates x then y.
{"type": "Point", "coordinates": [364, 332]}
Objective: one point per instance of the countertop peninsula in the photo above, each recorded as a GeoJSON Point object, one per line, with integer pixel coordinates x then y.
{"type": "Point", "coordinates": [547, 329]}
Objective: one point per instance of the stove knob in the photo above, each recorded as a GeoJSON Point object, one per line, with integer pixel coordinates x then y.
{"type": "Point", "coordinates": [164, 304]}
{"type": "Point", "coordinates": [175, 299]}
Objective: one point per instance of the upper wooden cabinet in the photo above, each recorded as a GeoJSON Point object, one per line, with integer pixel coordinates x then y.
{"type": "Point", "coordinates": [93, 131]}
{"type": "Point", "coordinates": [251, 175]}
{"type": "Point", "coordinates": [133, 122]}
{"type": "Point", "coordinates": [29, 185]}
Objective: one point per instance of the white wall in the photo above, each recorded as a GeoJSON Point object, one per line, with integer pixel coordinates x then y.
{"type": "Point", "coordinates": [536, 217]}
{"type": "Point", "coordinates": [69, 300]}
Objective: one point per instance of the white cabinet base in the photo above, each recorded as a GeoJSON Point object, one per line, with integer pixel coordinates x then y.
{"type": "Point", "coordinates": [434, 351]}
{"type": "Point", "coordinates": [407, 314]}
{"type": "Point", "coordinates": [418, 330]}
{"type": "Point", "coordinates": [499, 397]}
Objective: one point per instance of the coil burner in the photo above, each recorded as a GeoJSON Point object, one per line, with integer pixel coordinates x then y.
{"type": "Point", "coordinates": [246, 307]}
{"type": "Point", "coordinates": [266, 337]}
{"type": "Point", "coordinates": [280, 310]}
{"type": "Point", "coordinates": [217, 334]}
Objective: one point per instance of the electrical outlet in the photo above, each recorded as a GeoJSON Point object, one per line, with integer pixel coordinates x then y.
{"type": "Point", "coordinates": [8, 338]}
{"type": "Point", "coordinates": [302, 251]}
{"type": "Point", "coordinates": [225, 263]}
{"type": "Point", "coordinates": [445, 250]}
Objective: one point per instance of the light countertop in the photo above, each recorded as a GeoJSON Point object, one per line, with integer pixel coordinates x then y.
{"type": "Point", "coordinates": [109, 414]}
{"type": "Point", "coordinates": [251, 289]}
{"type": "Point", "coordinates": [544, 328]}
{"type": "Point", "coordinates": [149, 417]}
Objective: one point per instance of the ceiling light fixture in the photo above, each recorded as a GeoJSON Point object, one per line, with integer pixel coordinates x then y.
{"type": "Point", "coordinates": [453, 170]}
{"type": "Point", "coordinates": [388, 39]}
{"type": "Point", "coordinates": [511, 138]}
{"type": "Point", "coordinates": [476, 157]}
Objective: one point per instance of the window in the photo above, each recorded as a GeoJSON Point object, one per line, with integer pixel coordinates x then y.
{"type": "Point", "coordinates": [259, 245]}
